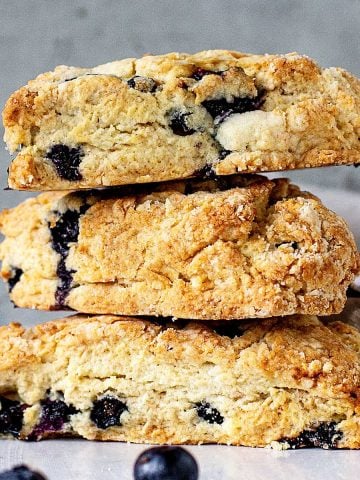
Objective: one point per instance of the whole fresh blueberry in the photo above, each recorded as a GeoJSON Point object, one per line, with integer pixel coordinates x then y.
{"type": "Point", "coordinates": [22, 472]}
{"type": "Point", "coordinates": [166, 463]}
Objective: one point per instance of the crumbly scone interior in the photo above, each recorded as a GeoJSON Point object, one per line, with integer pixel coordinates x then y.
{"type": "Point", "coordinates": [244, 247]}
{"type": "Point", "coordinates": [186, 382]}
{"type": "Point", "coordinates": [166, 117]}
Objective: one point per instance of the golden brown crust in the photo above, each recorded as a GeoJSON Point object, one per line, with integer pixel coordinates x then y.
{"type": "Point", "coordinates": [207, 250]}
{"type": "Point", "coordinates": [273, 380]}
{"type": "Point", "coordinates": [305, 117]}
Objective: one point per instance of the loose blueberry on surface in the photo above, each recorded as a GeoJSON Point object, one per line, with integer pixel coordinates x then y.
{"type": "Point", "coordinates": [21, 472]}
{"type": "Point", "coordinates": [324, 436]}
{"type": "Point", "coordinates": [209, 413]}
{"type": "Point", "coordinates": [142, 84]}
{"type": "Point", "coordinates": [166, 463]}
{"type": "Point", "coordinates": [54, 415]}
{"type": "Point", "coordinates": [66, 161]}
{"type": "Point", "coordinates": [221, 109]}
{"type": "Point", "coordinates": [15, 277]}
{"type": "Point", "coordinates": [107, 411]}
{"type": "Point", "coordinates": [11, 416]}
{"type": "Point", "coordinates": [64, 232]}
{"type": "Point", "coordinates": [178, 123]}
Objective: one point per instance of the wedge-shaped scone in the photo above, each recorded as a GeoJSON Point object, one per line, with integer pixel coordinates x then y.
{"type": "Point", "coordinates": [171, 116]}
{"type": "Point", "coordinates": [247, 247]}
{"type": "Point", "coordinates": [288, 383]}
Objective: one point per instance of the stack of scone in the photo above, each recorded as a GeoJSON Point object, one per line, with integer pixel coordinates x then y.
{"type": "Point", "coordinates": [218, 273]}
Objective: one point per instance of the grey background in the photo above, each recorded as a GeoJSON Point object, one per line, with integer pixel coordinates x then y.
{"type": "Point", "coordinates": [37, 35]}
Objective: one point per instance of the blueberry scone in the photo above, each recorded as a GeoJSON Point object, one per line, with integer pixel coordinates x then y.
{"type": "Point", "coordinates": [227, 249]}
{"type": "Point", "coordinates": [287, 383]}
{"type": "Point", "coordinates": [177, 115]}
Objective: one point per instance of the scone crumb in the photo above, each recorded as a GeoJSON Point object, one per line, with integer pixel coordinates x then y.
{"type": "Point", "coordinates": [315, 367]}
{"type": "Point", "coordinates": [279, 446]}
{"type": "Point", "coordinates": [328, 367]}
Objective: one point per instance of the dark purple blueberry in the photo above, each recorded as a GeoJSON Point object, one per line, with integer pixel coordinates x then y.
{"type": "Point", "coordinates": [221, 109]}
{"type": "Point", "coordinates": [107, 411]}
{"type": "Point", "coordinates": [65, 282]}
{"type": "Point", "coordinates": [223, 154]}
{"type": "Point", "coordinates": [293, 245]}
{"type": "Point", "coordinates": [66, 161]}
{"type": "Point", "coordinates": [166, 463]}
{"type": "Point", "coordinates": [206, 172]}
{"type": "Point", "coordinates": [11, 416]}
{"type": "Point", "coordinates": [228, 328]}
{"type": "Point", "coordinates": [179, 124]}
{"type": "Point", "coordinates": [15, 277]}
{"type": "Point", "coordinates": [209, 413]}
{"type": "Point", "coordinates": [54, 415]}
{"type": "Point", "coordinates": [142, 84]}
{"type": "Point", "coordinates": [22, 472]}
{"type": "Point", "coordinates": [324, 436]}
{"type": "Point", "coordinates": [64, 232]}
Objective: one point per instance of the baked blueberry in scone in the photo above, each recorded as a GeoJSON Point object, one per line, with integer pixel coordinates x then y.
{"type": "Point", "coordinates": [283, 382]}
{"type": "Point", "coordinates": [228, 248]}
{"type": "Point", "coordinates": [170, 116]}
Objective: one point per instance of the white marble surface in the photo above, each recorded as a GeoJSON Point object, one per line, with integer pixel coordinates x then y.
{"type": "Point", "coordinates": [76, 459]}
